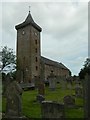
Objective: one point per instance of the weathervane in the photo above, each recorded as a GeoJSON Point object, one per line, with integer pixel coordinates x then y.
{"type": "Point", "coordinates": [29, 9]}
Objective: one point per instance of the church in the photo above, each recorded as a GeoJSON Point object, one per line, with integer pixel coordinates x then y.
{"type": "Point", "coordinates": [30, 63]}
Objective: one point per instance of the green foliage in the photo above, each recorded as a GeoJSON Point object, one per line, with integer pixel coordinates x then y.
{"type": "Point", "coordinates": [7, 56]}
{"type": "Point", "coordinates": [86, 69]}
{"type": "Point", "coordinates": [87, 63]}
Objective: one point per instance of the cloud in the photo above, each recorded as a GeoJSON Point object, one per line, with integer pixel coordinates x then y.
{"type": "Point", "coordinates": [64, 25]}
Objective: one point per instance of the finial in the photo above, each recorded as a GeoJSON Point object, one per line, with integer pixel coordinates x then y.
{"type": "Point", "coordinates": [29, 9]}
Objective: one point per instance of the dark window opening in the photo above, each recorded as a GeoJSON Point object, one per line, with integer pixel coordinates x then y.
{"type": "Point", "coordinates": [35, 41]}
{"type": "Point", "coordinates": [36, 67]}
{"type": "Point", "coordinates": [36, 50]}
{"type": "Point", "coordinates": [36, 59]}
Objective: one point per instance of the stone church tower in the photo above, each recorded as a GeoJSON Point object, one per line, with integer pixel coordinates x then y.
{"type": "Point", "coordinates": [28, 50]}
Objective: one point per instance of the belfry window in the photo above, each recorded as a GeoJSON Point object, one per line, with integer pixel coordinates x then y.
{"type": "Point", "coordinates": [36, 59]}
{"type": "Point", "coordinates": [36, 50]}
{"type": "Point", "coordinates": [36, 42]}
{"type": "Point", "coordinates": [36, 67]}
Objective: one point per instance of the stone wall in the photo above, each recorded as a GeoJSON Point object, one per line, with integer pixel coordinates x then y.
{"type": "Point", "coordinates": [28, 53]}
{"type": "Point", "coordinates": [58, 72]}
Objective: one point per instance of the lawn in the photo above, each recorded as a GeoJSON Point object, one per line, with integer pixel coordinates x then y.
{"type": "Point", "coordinates": [32, 109]}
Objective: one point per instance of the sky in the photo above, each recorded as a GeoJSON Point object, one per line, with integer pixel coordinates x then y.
{"type": "Point", "coordinates": [64, 36]}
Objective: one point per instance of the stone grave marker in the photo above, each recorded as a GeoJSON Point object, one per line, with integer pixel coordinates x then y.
{"type": "Point", "coordinates": [41, 88]}
{"type": "Point", "coordinates": [86, 84]}
{"type": "Point", "coordinates": [69, 83]}
{"type": "Point", "coordinates": [69, 101]}
{"type": "Point", "coordinates": [69, 86]}
{"type": "Point", "coordinates": [63, 84]}
{"type": "Point", "coordinates": [41, 92]}
{"type": "Point", "coordinates": [13, 100]}
{"type": "Point", "coordinates": [40, 98]}
{"type": "Point", "coordinates": [52, 81]}
{"type": "Point", "coordinates": [78, 91]}
{"type": "Point", "coordinates": [36, 79]}
{"type": "Point", "coordinates": [51, 110]}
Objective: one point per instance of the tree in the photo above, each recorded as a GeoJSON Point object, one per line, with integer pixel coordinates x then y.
{"type": "Point", "coordinates": [87, 63]}
{"type": "Point", "coordinates": [85, 69]}
{"type": "Point", "coordinates": [7, 56]}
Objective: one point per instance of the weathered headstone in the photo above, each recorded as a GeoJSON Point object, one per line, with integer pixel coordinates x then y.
{"type": "Point", "coordinates": [13, 100]}
{"type": "Point", "coordinates": [87, 96]}
{"type": "Point", "coordinates": [52, 81]}
{"type": "Point", "coordinates": [63, 84]}
{"type": "Point", "coordinates": [69, 101]}
{"type": "Point", "coordinates": [36, 81]}
{"type": "Point", "coordinates": [69, 86]}
{"type": "Point", "coordinates": [40, 98]}
{"type": "Point", "coordinates": [78, 91]}
{"type": "Point", "coordinates": [41, 90]}
{"type": "Point", "coordinates": [52, 109]}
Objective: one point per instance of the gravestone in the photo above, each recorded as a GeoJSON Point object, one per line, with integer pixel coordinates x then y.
{"type": "Point", "coordinates": [86, 84]}
{"type": "Point", "coordinates": [40, 98]}
{"type": "Point", "coordinates": [41, 88]}
{"type": "Point", "coordinates": [69, 82]}
{"type": "Point", "coordinates": [13, 100]}
{"type": "Point", "coordinates": [78, 91]}
{"type": "Point", "coordinates": [52, 81]}
{"type": "Point", "coordinates": [69, 86]}
{"type": "Point", "coordinates": [35, 79]}
{"type": "Point", "coordinates": [51, 110]}
{"type": "Point", "coordinates": [63, 84]}
{"type": "Point", "coordinates": [69, 101]}
{"type": "Point", "coordinates": [41, 91]}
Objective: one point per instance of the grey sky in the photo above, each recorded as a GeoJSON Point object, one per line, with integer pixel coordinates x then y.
{"type": "Point", "coordinates": [64, 36]}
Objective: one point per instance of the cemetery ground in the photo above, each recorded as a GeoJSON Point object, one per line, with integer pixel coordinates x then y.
{"type": "Point", "coordinates": [32, 109]}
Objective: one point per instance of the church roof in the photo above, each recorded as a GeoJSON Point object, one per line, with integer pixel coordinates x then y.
{"type": "Point", "coordinates": [53, 63]}
{"type": "Point", "coordinates": [29, 20]}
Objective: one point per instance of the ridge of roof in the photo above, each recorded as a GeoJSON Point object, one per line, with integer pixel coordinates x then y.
{"type": "Point", "coordinates": [53, 63]}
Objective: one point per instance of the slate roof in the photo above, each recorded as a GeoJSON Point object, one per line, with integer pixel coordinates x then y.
{"type": "Point", "coordinates": [53, 63]}
{"type": "Point", "coordinates": [29, 20]}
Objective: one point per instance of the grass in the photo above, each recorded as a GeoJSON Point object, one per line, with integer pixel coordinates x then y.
{"type": "Point", "coordinates": [58, 94]}
{"type": "Point", "coordinates": [32, 109]}
{"type": "Point", "coordinates": [74, 113]}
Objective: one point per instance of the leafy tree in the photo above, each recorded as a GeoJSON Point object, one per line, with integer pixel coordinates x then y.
{"type": "Point", "coordinates": [7, 56]}
{"type": "Point", "coordinates": [87, 63]}
{"type": "Point", "coordinates": [85, 69]}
